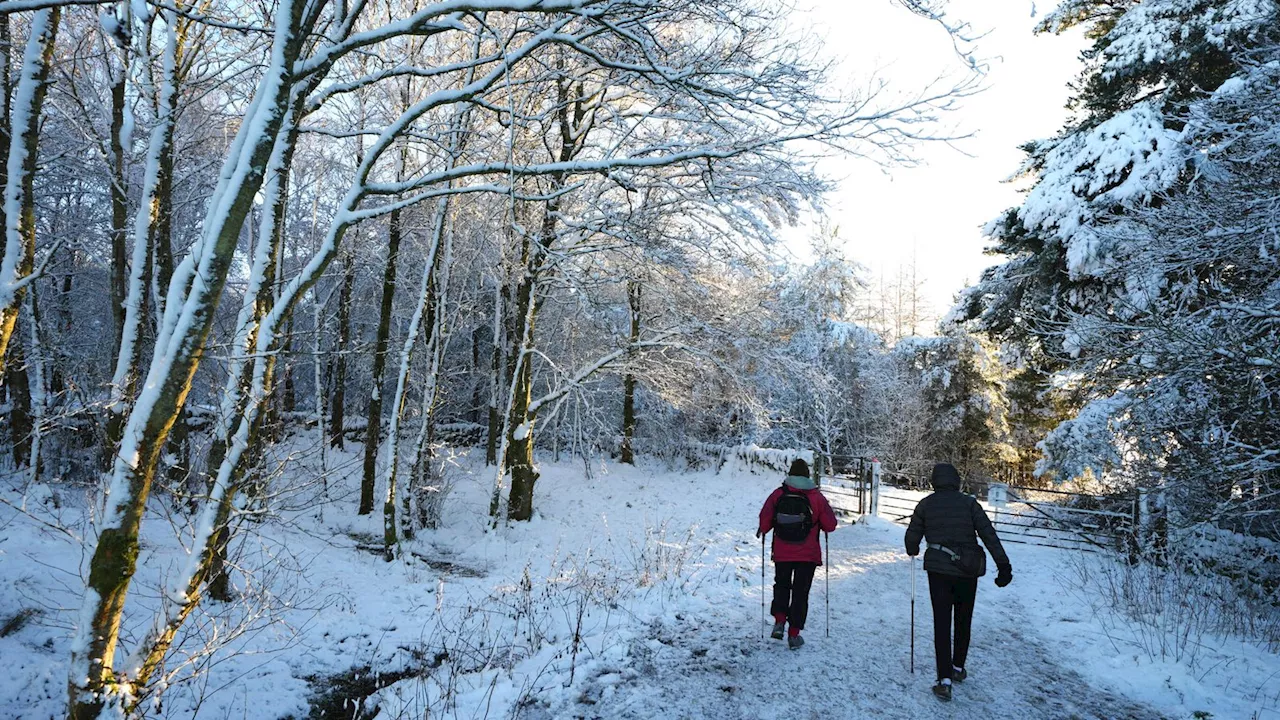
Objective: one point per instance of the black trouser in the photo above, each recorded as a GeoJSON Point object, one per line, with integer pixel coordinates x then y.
{"type": "Point", "coordinates": [948, 592]}
{"type": "Point", "coordinates": [791, 583]}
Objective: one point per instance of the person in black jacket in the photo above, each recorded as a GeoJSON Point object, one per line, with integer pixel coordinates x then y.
{"type": "Point", "coordinates": [950, 523]}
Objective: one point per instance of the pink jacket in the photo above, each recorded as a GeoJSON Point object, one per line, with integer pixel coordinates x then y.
{"type": "Point", "coordinates": [810, 550]}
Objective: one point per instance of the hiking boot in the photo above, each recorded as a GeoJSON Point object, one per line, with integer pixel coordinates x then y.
{"type": "Point", "coordinates": [942, 691]}
{"type": "Point", "coordinates": [958, 674]}
{"type": "Point", "coordinates": [779, 629]}
{"type": "Point", "coordinates": [794, 642]}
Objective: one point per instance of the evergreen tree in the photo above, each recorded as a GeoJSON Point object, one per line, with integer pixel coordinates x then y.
{"type": "Point", "coordinates": [1138, 266]}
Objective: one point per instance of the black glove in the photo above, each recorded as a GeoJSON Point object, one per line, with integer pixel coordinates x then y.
{"type": "Point", "coordinates": [758, 532]}
{"type": "Point", "coordinates": [1004, 576]}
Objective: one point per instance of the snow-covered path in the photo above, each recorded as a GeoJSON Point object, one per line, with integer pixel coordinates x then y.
{"type": "Point", "coordinates": [717, 665]}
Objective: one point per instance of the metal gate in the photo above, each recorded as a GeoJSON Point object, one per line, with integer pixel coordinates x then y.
{"type": "Point", "coordinates": [1062, 519]}
{"type": "Point", "coordinates": [1035, 516]}
{"type": "Point", "coordinates": [850, 479]}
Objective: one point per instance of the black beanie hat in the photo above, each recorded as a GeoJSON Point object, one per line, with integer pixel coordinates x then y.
{"type": "Point", "coordinates": [945, 476]}
{"type": "Point", "coordinates": [799, 468]}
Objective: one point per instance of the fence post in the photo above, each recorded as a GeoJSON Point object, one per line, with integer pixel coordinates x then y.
{"type": "Point", "coordinates": [875, 487]}
{"type": "Point", "coordinates": [997, 497]}
{"type": "Point", "coordinates": [864, 486]}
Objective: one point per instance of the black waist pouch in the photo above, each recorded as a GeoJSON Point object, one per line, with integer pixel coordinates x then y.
{"type": "Point", "coordinates": [970, 560]}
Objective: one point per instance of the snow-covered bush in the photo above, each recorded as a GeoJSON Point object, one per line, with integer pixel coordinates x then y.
{"type": "Point", "coordinates": [553, 622]}
{"type": "Point", "coordinates": [1205, 584]}
{"type": "Point", "coordinates": [657, 559]}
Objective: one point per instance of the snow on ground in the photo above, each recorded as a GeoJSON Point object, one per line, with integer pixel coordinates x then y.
{"type": "Point", "coordinates": [655, 572]}
{"type": "Point", "coordinates": [715, 665]}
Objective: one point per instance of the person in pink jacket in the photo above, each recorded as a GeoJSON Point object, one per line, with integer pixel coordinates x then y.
{"type": "Point", "coordinates": [795, 512]}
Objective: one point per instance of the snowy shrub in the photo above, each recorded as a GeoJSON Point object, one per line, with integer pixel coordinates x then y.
{"type": "Point", "coordinates": [1205, 584]}
{"type": "Point", "coordinates": [655, 559]}
{"type": "Point", "coordinates": [741, 458]}
{"type": "Point", "coordinates": [553, 621]}
{"type": "Point", "coordinates": [545, 626]}
{"type": "Point", "coordinates": [431, 491]}
{"type": "Point", "coordinates": [747, 458]}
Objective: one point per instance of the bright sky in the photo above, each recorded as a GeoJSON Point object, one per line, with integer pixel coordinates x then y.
{"type": "Point", "coordinates": [935, 212]}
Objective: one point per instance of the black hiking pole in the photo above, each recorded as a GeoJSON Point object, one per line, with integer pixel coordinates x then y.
{"type": "Point", "coordinates": [913, 614]}
{"type": "Point", "coordinates": [827, 571]}
{"type": "Point", "coordinates": [761, 586]}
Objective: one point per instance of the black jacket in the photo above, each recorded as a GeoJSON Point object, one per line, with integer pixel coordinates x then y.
{"type": "Point", "coordinates": [952, 519]}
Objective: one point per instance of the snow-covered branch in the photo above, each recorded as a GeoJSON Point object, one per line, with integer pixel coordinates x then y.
{"type": "Point", "coordinates": [601, 363]}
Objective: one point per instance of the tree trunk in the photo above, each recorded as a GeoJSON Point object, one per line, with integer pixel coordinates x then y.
{"type": "Point", "coordinates": [432, 296]}
{"type": "Point", "coordinates": [520, 453]}
{"type": "Point", "coordinates": [162, 231]}
{"type": "Point", "coordinates": [6, 72]}
{"type": "Point", "coordinates": [477, 384]}
{"type": "Point", "coordinates": [119, 201]}
{"type": "Point", "coordinates": [281, 401]}
{"type": "Point", "coordinates": [573, 131]}
{"type": "Point", "coordinates": [518, 459]}
{"type": "Point", "coordinates": [20, 403]}
{"type": "Point", "coordinates": [317, 382]}
{"type": "Point", "coordinates": [574, 128]}
{"type": "Point", "coordinates": [18, 259]}
{"type": "Point", "coordinates": [66, 286]}
{"type": "Point", "coordinates": [497, 382]}
{"type": "Point", "coordinates": [340, 351]}
{"type": "Point", "coordinates": [158, 267]}
{"type": "Point", "coordinates": [19, 416]}
{"type": "Point", "coordinates": [36, 370]}
{"type": "Point", "coordinates": [261, 295]}
{"type": "Point", "coordinates": [151, 266]}
{"type": "Point", "coordinates": [178, 474]}
{"type": "Point", "coordinates": [219, 578]}
{"type": "Point", "coordinates": [288, 391]}
{"type": "Point", "coordinates": [373, 429]}
{"type": "Point", "coordinates": [629, 381]}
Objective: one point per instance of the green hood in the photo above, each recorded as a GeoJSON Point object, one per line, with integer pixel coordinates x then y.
{"type": "Point", "coordinates": [800, 482]}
